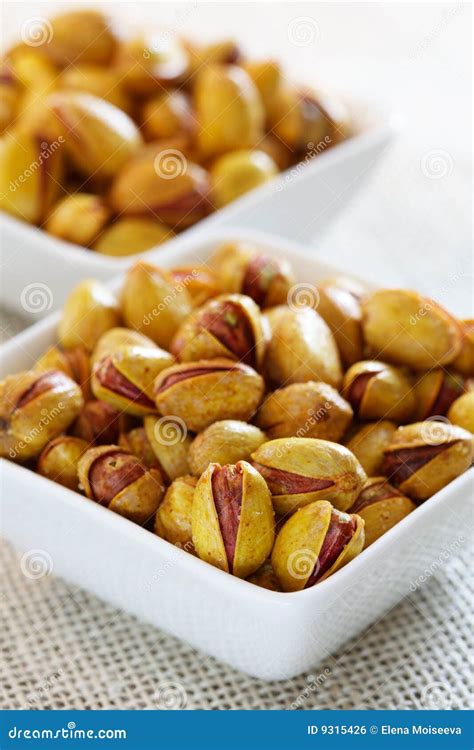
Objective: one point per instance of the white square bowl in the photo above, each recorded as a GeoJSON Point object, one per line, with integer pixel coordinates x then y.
{"type": "Point", "coordinates": [268, 634]}
{"type": "Point", "coordinates": [38, 269]}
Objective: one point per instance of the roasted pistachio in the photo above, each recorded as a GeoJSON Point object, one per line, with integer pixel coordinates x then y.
{"type": "Point", "coordinates": [207, 391]}
{"type": "Point", "coordinates": [137, 443]}
{"type": "Point", "coordinates": [424, 457]}
{"type": "Point", "coordinates": [229, 109]}
{"type": "Point", "coordinates": [461, 411]}
{"type": "Point", "coordinates": [302, 348]}
{"type": "Point", "coordinates": [99, 81]}
{"type": "Point", "coordinates": [89, 311]}
{"type": "Point", "coordinates": [9, 95]}
{"type": "Point", "coordinates": [408, 329]}
{"type": "Point", "coordinates": [232, 519]}
{"type": "Point", "coordinates": [464, 362]}
{"type": "Point", "coordinates": [314, 410]}
{"type": "Point", "coordinates": [117, 337]}
{"type": "Point", "coordinates": [170, 444]}
{"type": "Point", "coordinates": [265, 577]}
{"type": "Point", "coordinates": [173, 520]}
{"type": "Point", "coordinates": [73, 362]}
{"type": "Point", "coordinates": [201, 283]}
{"type": "Point", "coordinates": [267, 77]}
{"type": "Point", "coordinates": [299, 471]}
{"type": "Point", "coordinates": [225, 51]}
{"type": "Point", "coordinates": [166, 114]}
{"type": "Point", "coordinates": [58, 460]}
{"type": "Point", "coordinates": [117, 479]}
{"type": "Point", "coordinates": [236, 173]}
{"type": "Point", "coordinates": [243, 267]}
{"type": "Point", "coordinates": [435, 391]}
{"type": "Point", "coordinates": [381, 506]}
{"type": "Point", "coordinates": [378, 391]}
{"type": "Point", "coordinates": [308, 120]}
{"type": "Point", "coordinates": [341, 311]}
{"type": "Point", "coordinates": [368, 442]}
{"type": "Point", "coordinates": [99, 424]}
{"type": "Point", "coordinates": [131, 235]}
{"type": "Point", "coordinates": [79, 36]}
{"type": "Point", "coordinates": [125, 378]}
{"type": "Point", "coordinates": [147, 62]}
{"type": "Point", "coordinates": [224, 442]}
{"type": "Point", "coordinates": [315, 542]}
{"type": "Point", "coordinates": [78, 218]}
{"type": "Point", "coordinates": [35, 407]}
{"type": "Point", "coordinates": [228, 326]}
{"type": "Point", "coordinates": [153, 303]}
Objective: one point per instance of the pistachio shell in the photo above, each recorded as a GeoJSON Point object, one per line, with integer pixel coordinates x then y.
{"type": "Point", "coordinates": [314, 410]}
{"type": "Point", "coordinates": [74, 362]}
{"type": "Point", "coordinates": [145, 62]}
{"type": "Point", "coordinates": [378, 391]}
{"type": "Point", "coordinates": [368, 443]}
{"type": "Point", "coordinates": [153, 303]}
{"type": "Point", "coordinates": [117, 337]}
{"type": "Point", "coordinates": [341, 311]}
{"type": "Point", "coordinates": [299, 118]}
{"type": "Point", "coordinates": [277, 151]}
{"type": "Point", "coordinates": [434, 392]}
{"type": "Point", "coordinates": [130, 235]}
{"type": "Point", "coordinates": [89, 311]}
{"type": "Point", "coordinates": [201, 283]}
{"type": "Point", "coordinates": [173, 520]}
{"type": "Point", "coordinates": [78, 218]}
{"type": "Point", "coordinates": [381, 507]}
{"type": "Point", "coordinates": [224, 442]}
{"type": "Point", "coordinates": [461, 411]}
{"type": "Point", "coordinates": [170, 444]}
{"type": "Point", "coordinates": [166, 114]}
{"type": "Point", "coordinates": [200, 393]}
{"type": "Point", "coordinates": [79, 36]}
{"type": "Point", "coordinates": [302, 348]}
{"type": "Point", "coordinates": [98, 423]}
{"type": "Point", "coordinates": [58, 460]}
{"type": "Point", "coordinates": [464, 362]}
{"type": "Point", "coordinates": [336, 473]}
{"type": "Point", "coordinates": [137, 443]}
{"type": "Point", "coordinates": [408, 329]}
{"type": "Point", "coordinates": [234, 174]}
{"type": "Point", "coordinates": [265, 577]}
{"type": "Point", "coordinates": [98, 81]}
{"type": "Point", "coordinates": [267, 77]}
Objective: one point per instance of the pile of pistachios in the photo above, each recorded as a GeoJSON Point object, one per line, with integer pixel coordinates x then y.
{"type": "Point", "coordinates": [269, 427]}
{"type": "Point", "coordinates": [116, 143]}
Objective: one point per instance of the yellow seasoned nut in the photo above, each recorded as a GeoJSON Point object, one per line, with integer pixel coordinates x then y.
{"type": "Point", "coordinates": [225, 52]}
{"type": "Point", "coordinates": [267, 77]}
{"type": "Point", "coordinates": [9, 95]}
{"type": "Point", "coordinates": [243, 267]}
{"type": "Point", "coordinates": [163, 184]}
{"type": "Point", "coordinates": [434, 393]}
{"type": "Point", "coordinates": [368, 443]}
{"type": "Point", "coordinates": [461, 411]}
{"type": "Point", "coordinates": [167, 114]}
{"type": "Point", "coordinates": [341, 311]}
{"type": "Point", "coordinates": [424, 457]}
{"type": "Point", "coordinates": [153, 303]}
{"type": "Point", "coordinates": [25, 191]}
{"type": "Point", "coordinates": [228, 326]}
{"type": "Point", "coordinates": [464, 362]}
{"type": "Point", "coordinates": [233, 525]}
{"type": "Point", "coordinates": [315, 542]}
{"type": "Point", "coordinates": [98, 81]}
{"type": "Point", "coordinates": [236, 173]}
{"type": "Point", "coordinates": [299, 471]}
{"type": "Point", "coordinates": [224, 442]}
{"type": "Point", "coordinates": [265, 577]}
{"type": "Point", "coordinates": [99, 424]}
{"type": "Point", "coordinates": [74, 362]}
{"type": "Point", "coordinates": [88, 312]}
{"type": "Point", "coordinates": [117, 479]}
{"type": "Point", "coordinates": [35, 407]}
{"type": "Point", "coordinates": [137, 443]}
{"type": "Point", "coordinates": [131, 235]}
{"type": "Point", "coordinates": [58, 461]}
{"type": "Point", "coordinates": [229, 110]}
{"type": "Point", "coordinates": [173, 520]}
{"type": "Point", "coordinates": [124, 379]}
{"type": "Point", "coordinates": [147, 63]}
{"type": "Point", "coordinates": [302, 348]}
{"type": "Point", "coordinates": [408, 329]}
{"type": "Point", "coordinates": [78, 218]}
{"type": "Point", "coordinates": [78, 36]}
{"type": "Point", "coordinates": [201, 283]}
{"type": "Point", "coordinates": [379, 391]}
{"type": "Point", "coordinates": [115, 338]}
{"type": "Point", "coordinates": [170, 443]}
{"type": "Point", "coordinates": [312, 410]}
{"type": "Point", "coordinates": [98, 137]}
{"type": "Point", "coordinates": [200, 393]}
{"type": "Point", "coordinates": [381, 507]}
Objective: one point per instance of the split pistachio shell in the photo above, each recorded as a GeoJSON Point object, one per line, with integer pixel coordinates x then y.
{"type": "Point", "coordinates": [148, 62]}
{"type": "Point", "coordinates": [408, 329]}
{"type": "Point", "coordinates": [232, 520]}
{"type": "Point", "coordinates": [73, 362]}
{"type": "Point", "coordinates": [435, 391]}
{"type": "Point", "coordinates": [117, 479]}
{"type": "Point", "coordinates": [137, 443]}
{"type": "Point", "coordinates": [224, 442]}
{"type": "Point", "coordinates": [461, 411]}
{"type": "Point", "coordinates": [228, 326]}
{"type": "Point", "coordinates": [302, 348]}
{"type": "Point", "coordinates": [464, 362]}
{"type": "Point", "coordinates": [368, 443]}
{"type": "Point", "coordinates": [117, 337]}
{"type": "Point", "coordinates": [166, 114]}
{"type": "Point", "coordinates": [125, 378]}
{"type": "Point", "coordinates": [267, 77]}
{"type": "Point", "coordinates": [98, 137]}
{"type": "Point", "coordinates": [173, 520]}
{"type": "Point", "coordinates": [78, 218]}
{"type": "Point", "coordinates": [130, 235]}
{"type": "Point", "coordinates": [306, 120]}
{"type": "Point", "coordinates": [98, 81]}
{"type": "Point", "coordinates": [265, 577]}
{"type": "Point", "coordinates": [315, 542]}
{"type": "Point", "coordinates": [299, 471]}
{"type": "Point", "coordinates": [99, 424]}
{"type": "Point", "coordinates": [201, 283]}
{"type": "Point", "coordinates": [58, 461]}
{"type": "Point", "coordinates": [379, 391]}
{"type": "Point", "coordinates": [35, 407]}
{"type": "Point", "coordinates": [236, 173]}
{"type": "Point", "coordinates": [381, 507]}
{"type": "Point", "coordinates": [89, 311]}
{"type": "Point", "coordinates": [170, 444]}
{"type": "Point", "coordinates": [424, 457]}
{"type": "Point", "coordinates": [313, 410]}
{"type": "Point", "coordinates": [207, 391]}
{"type": "Point", "coordinates": [79, 36]}
{"type": "Point", "coordinates": [225, 51]}
{"type": "Point", "coordinates": [228, 108]}
{"type": "Point", "coordinates": [341, 311]}
{"type": "Point", "coordinates": [153, 303]}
